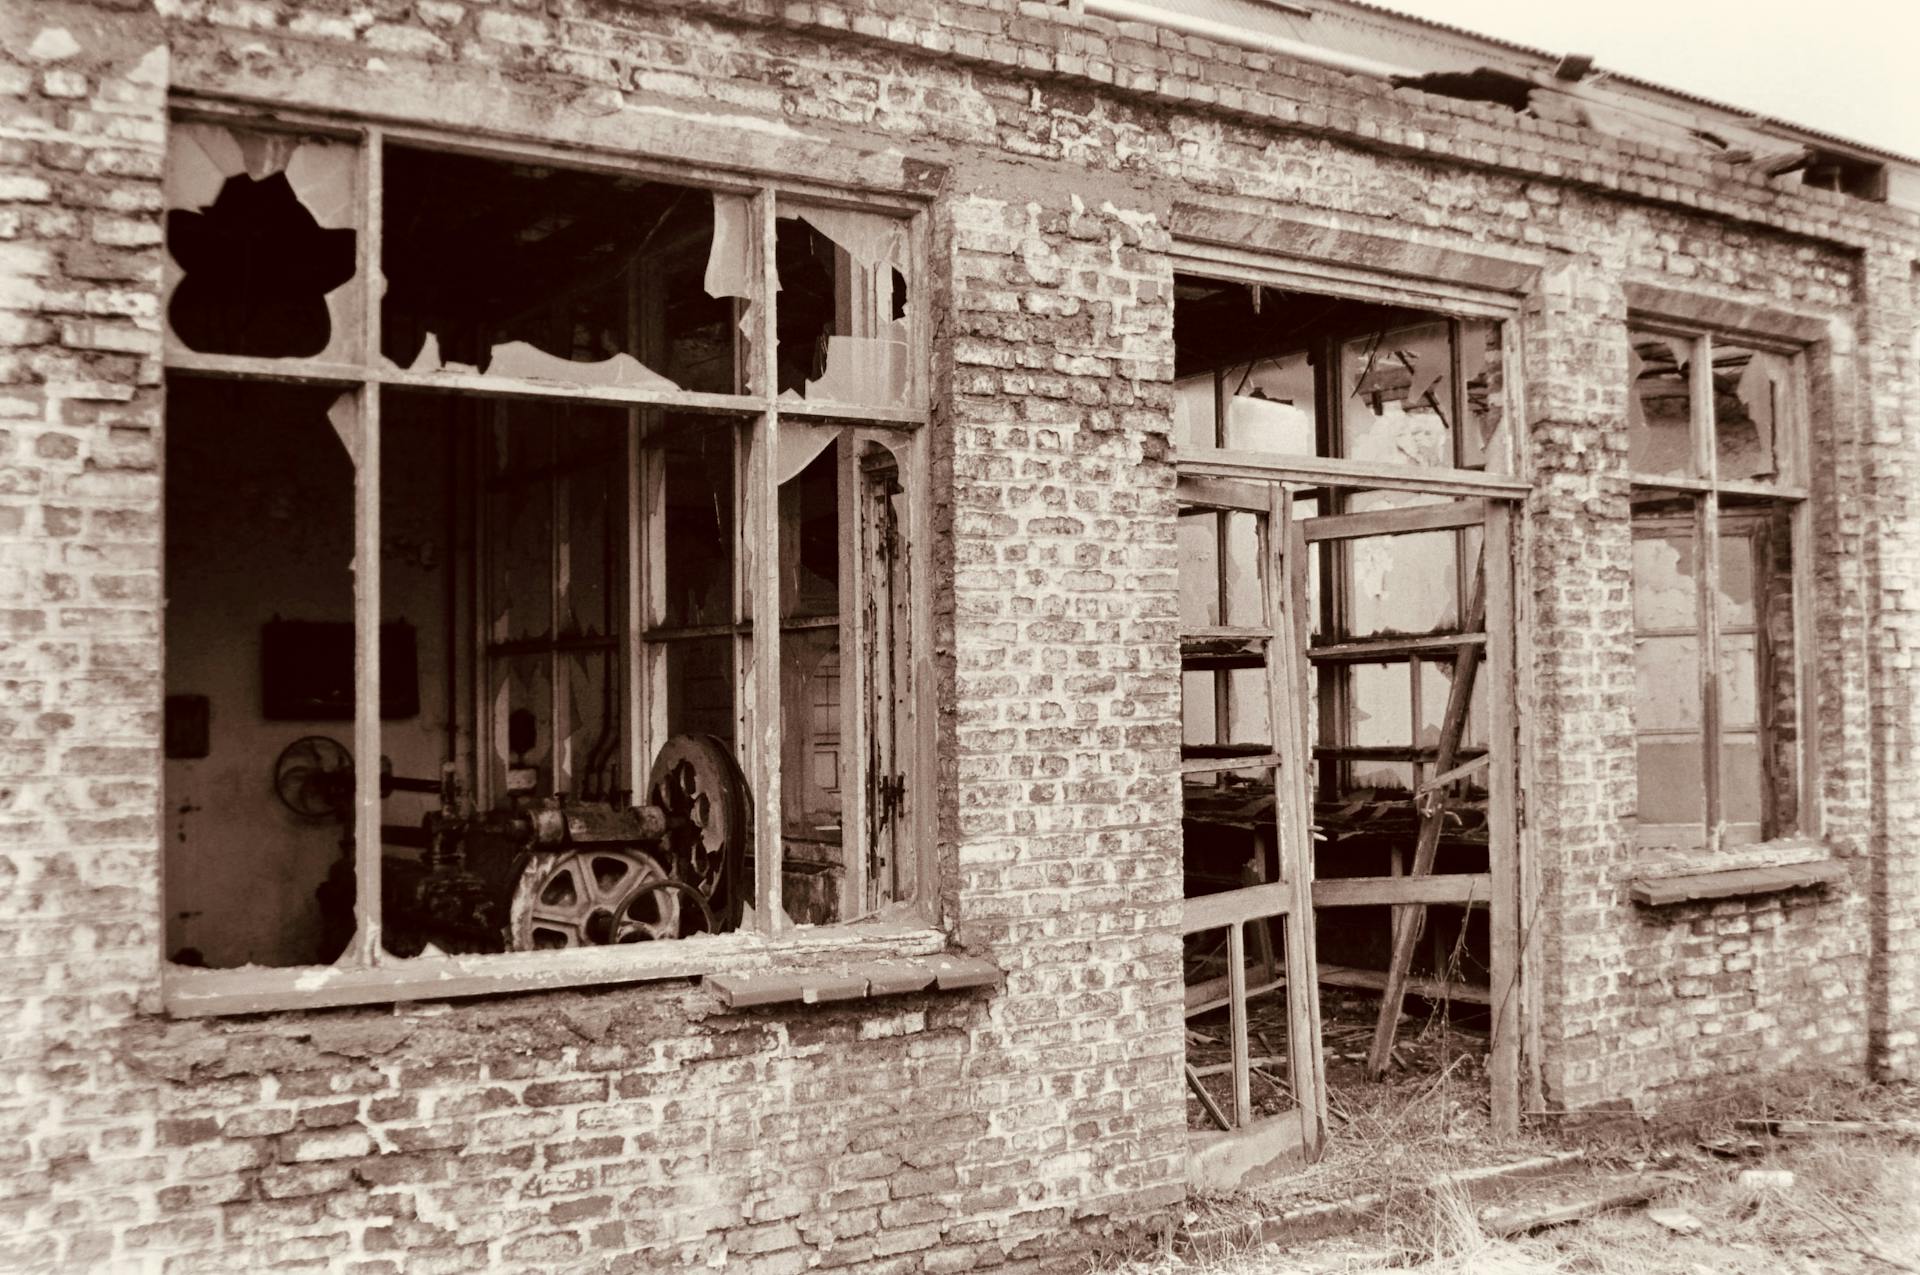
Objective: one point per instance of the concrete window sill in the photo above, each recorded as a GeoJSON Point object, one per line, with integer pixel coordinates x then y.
{"type": "Point", "coordinates": [864, 980]}
{"type": "Point", "coordinates": [1687, 887]}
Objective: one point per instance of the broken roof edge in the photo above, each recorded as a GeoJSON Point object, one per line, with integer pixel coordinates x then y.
{"type": "Point", "coordinates": [1164, 12]}
{"type": "Point", "coordinates": [1608, 75]}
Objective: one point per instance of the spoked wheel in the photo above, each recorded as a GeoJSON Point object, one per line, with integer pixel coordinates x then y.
{"type": "Point", "coordinates": [698, 783]}
{"type": "Point", "coordinates": [583, 898]}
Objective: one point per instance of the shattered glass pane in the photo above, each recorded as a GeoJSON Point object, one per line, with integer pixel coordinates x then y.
{"type": "Point", "coordinates": [261, 243]}
{"type": "Point", "coordinates": [1404, 583]}
{"type": "Point", "coordinates": [582, 278]}
{"type": "Point", "coordinates": [1484, 444]}
{"type": "Point", "coordinates": [1271, 406]}
{"type": "Point", "coordinates": [1398, 386]}
{"type": "Point", "coordinates": [690, 478]}
{"type": "Point", "coordinates": [1659, 406]}
{"type": "Point", "coordinates": [1193, 412]}
{"type": "Point", "coordinates": [1664, 593]}
{"type": "Point", "coordinates": [1749, 398]}
{"type": "Point", "coordinates": [842, 306]}
{"type": "Point", "coordinates": [258, 797]}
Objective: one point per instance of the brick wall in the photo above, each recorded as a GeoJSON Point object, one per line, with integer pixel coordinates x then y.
{"type": "Point", "coordinates": [643, 1126]}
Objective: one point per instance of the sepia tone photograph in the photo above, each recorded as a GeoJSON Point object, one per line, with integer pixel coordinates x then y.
{"type": "Point", "coordinates": [908, 637]}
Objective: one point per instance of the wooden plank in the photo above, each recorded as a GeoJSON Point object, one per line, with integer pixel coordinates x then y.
{"type": "Point", "coordinates": [1328, 471]}
{"type": "Point", "coordinates": [1394, 522]}
{"type": "Point", "coordinates": [1383, 649]}
{"type": "Point", "coordinates": [1205, 997]}
{"type": "Point", "coordinates": [1368, 752]}
{"type": "Point", "coordinates": [1556, 1209]}
{"type": "Point", "coordinates": [1433, 989]}
{"type": "Point", "coordinates": [1220, 765]}
{"type": "Point", "coordinates": [1822, 1128]}
{"type": "Point", "coordinates": [1237, 1024]}
{"type": "Point", "coordinates": [1426, 846]}
{"type": "Point", "coordinates": [250, 367]}
{"type": "Point", "coordinates": [1734, 882]}
{"type": "Point", "coordinates": [1308, 1070]}
{"type": "Point", "coordinates": [1196, 492]}
{"type": "Point", "coordinates": [1233, 907]}
{"type": "Point", "coordinates": [1207, 1104]}
{"type": "Point", "coordinates": [1347, 892]}
{"type": "Point", "coordinates": [1455, 775]}
{"type": "Point", "coordinates": [1503, 913]}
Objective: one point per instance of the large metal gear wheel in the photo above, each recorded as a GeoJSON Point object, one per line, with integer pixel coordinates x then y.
{"type": "Point", "coordinates": [696, 780]}
{"type": "Point", "coordinates": [584, 898]}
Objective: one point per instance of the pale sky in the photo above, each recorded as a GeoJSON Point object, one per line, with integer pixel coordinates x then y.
{"type": "Point", "coordinates": [1845, 67]}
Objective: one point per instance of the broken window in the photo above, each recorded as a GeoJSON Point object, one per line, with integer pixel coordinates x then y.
{"type": "Point", "coordinates": [1260, 369]}
{"type": "Point", "coordinates": [1719, 696]}
{"type": "Point", "coordinates": [539, 475]}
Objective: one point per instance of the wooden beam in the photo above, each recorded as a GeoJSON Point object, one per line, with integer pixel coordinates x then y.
{"type": "Point", "coordinates": [1503, 912]}
{"type": "Point", "coordinates": [1219, 765]}
{"type": "Point", "coordinates": [1237, 1023]}
{"type": "Point", "coordinates": [1453, 725]}
{"type": "Point", "coordinates": [1383, 649]}
{"type": "Point", "coordinates": [1394, 522]}
{"type": "Point", "coordinates": [1348, 892]}
{"type": "Point", "coordinates": [1235, 907]}
{"type": "Point", "coordinates": [1329, 471]}
{"type": "Point", "coordinates": [1232, 494]}
{"type": "Point", "coordinates": [366, 949]}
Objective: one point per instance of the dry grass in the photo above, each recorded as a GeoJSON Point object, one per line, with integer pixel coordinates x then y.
{"type": "Point", "coordinates": [1854, 1206]}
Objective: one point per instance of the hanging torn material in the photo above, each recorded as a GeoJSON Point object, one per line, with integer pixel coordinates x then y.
{"type": "Point", "coordinates": [260, 243]}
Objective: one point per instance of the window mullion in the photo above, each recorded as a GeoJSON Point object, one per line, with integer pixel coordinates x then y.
{"type": "Point", "coordinates": [366, 574]}
{"type": "Point", "coordinates": [857, 591]}
{"type": "Point", "coordinates": [1707, 574]}
{"type": "Point", "coordinates": [763, 748]}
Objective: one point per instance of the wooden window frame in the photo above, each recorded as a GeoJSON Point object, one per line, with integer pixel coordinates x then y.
{"type": "Point", "coordinates": [368, 974]}
{"type": "Point", "coordinates": [1704, 489]}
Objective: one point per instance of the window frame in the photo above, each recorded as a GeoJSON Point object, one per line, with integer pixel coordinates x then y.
{"type": "Point", "coordinates": [366, 973]}
{"type": "Point", "coordinates": [1704, 488]}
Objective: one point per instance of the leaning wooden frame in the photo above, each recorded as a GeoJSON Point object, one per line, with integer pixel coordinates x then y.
{"type": "Point", "coordinates": [1491, 499]}
{"type": "Point", "coordinates": [354, 363]}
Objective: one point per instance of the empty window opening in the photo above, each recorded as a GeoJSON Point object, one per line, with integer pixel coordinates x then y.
{"type": "Point", "coordinates": [843, 306]}
{"type": "Point", "coordinates": [517, 270]}
{"type": "Point", "coordinates": [1335, 675]}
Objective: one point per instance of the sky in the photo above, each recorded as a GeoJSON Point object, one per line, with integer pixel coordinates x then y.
{"type": "Point", "coordinates": [1846, 67]}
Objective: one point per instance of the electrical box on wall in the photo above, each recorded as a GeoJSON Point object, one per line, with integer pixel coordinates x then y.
{"type": "Point", "coordinates": [306, 671]}
{"type": "Point", "coordinates": [188, 732]}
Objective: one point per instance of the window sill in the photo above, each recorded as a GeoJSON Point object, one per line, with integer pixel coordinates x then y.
{"type": "Point", "coordinates": [1728, 883]}
{"type": "Point", "coordinates": [861, 981]}
{"type": "Point", "coordinates": [199, 993]}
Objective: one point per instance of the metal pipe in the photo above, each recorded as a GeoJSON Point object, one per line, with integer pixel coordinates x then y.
{"type": "Point", "coordinates": [1225, 33]}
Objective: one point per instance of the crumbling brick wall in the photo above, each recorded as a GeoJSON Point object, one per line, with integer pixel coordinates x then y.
{"type": "Point", "coordinates": [645, 1126]}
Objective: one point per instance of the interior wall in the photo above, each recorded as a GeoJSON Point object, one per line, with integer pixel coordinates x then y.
{"type": "Point", "coordinates": [259, 527]}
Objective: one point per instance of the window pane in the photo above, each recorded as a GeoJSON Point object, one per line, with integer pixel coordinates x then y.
{"type": "Point", "coordinates": [1199, 543]}
{"type": "Point", "coordinates": [1659, 406]}
{"type": "Point", "coordinates": [1739, 682]}
{"type": "Point", "coordinates": [1667, 683]}
{"type": "Point", "coordinates": [1193, 412]}
{"type": "Point", "coordinates": [588, 278]}
{"type": "Point", "coordinates": [1671, 787]}
{"type": "Point", "coordinates": [1250, 700]}
{"type": "Point", "coordinates": [842, 304]}
{"type": "Point", "coordinates": [1197, 715]}
{"type": "Point", "coordinates": [1401, 584]}
{"type": "Point", "coordinates": [1271, 406]}
{"type": "Point", "coordinates": [1484, 443]}
{"type": "Point", "coordinates": [1398, 383]}
{"type": "Point", "coordinates": [689, 470]}
{"type": "Point", "coordinates": [259, 675]}
{"type": "Point", "coordinates": [1749, 397]}
{"type": "Point", "coordinates": [1665, 595]}
{"type": "Point", "coordinates": [1741, 786]}
{"type": "Point", "coordinates": [1380, 715]}
{"type": "Point", "coordinates": [1737, 548]}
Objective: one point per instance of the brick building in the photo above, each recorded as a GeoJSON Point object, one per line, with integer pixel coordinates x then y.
{"type": "Point", "coordinates": [1093, 486]}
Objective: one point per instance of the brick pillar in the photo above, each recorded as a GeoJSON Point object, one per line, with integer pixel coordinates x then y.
{"type": "Point", "coordinates": [84, 97]}
{"type": "Point", "coordinates": [1067, 683]}
{"type": "Point", "coordinates": [1581, 733]}
{"type": "Point", "coordinates": [1890, 411]}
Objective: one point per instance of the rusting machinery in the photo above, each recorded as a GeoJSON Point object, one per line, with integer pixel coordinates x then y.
{"type": "Point", "coordinates": [542, 872]}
